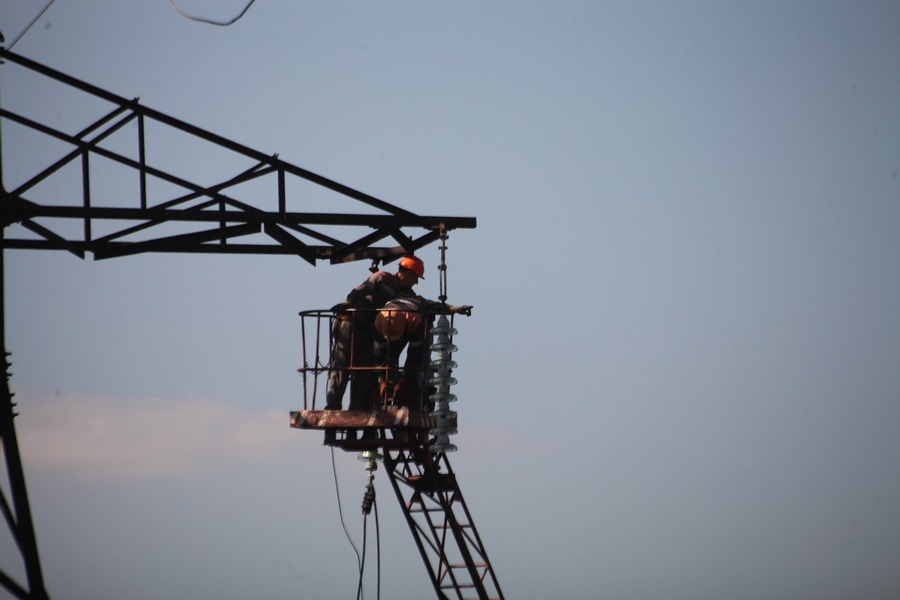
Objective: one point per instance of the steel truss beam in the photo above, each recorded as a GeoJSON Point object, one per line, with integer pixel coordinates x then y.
{"type": "Point", "coordinates": [195, 218]}
{"type": "Point", "coordinates": [222, 218]}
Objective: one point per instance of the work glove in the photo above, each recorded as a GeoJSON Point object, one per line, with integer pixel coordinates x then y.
{"type": "Point", "coordinates": [461, 310]}
{"type": "Point", "coordinates": [400, 388]}
{"type": "Point", "coordinates": [340, 307]}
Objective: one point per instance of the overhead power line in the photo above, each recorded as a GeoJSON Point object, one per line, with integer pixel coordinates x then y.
{"type": "Point", "coordinates": [211, 21]}
{"type": "Point", "coordinates": [33, 21]}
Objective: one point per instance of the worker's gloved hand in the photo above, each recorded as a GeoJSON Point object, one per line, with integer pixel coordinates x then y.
{"type": "Point", "coordinates": [340, 307]}
{"type": "Point", "coordinates": [461, 310]}
{"type": "Point", "coordinates": [385, 391]}
{"type": "Point", "coordinates": [400, 388]}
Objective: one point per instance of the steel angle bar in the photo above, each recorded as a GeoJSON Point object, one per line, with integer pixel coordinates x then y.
{"type": "Point", "coordinates": [386, 255]}
{"type": "Point", "coordinates": [254, 172]}
{"type": "Point", "coordinates": [288, 241]}
{"type": "Point", "coordinates": [12, 587]}
{"type": "Point", "coordinates": [68, 158]}
{"type": "Point", "coordinates": [176, 243]}
{"type": "Point", "coordinates": [205, 135]}
{"type": "Point", "coordinates": [88, 147]}
{"type": "Point", "coordinates": [311, 233]}
{"type": "Point", "coordinates": [360, 244]}
{"type": "Point", "coordinates": [54, 241]}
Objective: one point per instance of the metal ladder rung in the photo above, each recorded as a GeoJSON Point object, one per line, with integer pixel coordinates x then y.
{"type": "Point", "coordinates": [425, 510]}
{"type": "Point", "coordinates": [464, 565]}
{"type": "Point", "coordinates": [452, 586]}
{"type": "Point", "coordinates": [448, 526]}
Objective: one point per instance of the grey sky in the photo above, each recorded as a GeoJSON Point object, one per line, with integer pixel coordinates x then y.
{"type": "Point", "coordinates": [682, 375]}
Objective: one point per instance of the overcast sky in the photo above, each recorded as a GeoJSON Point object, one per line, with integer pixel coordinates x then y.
{"type": "Point", "coordinates": [681, 378]}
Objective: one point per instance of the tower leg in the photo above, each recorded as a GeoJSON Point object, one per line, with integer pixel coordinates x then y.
{"type": "Point", "coordinates": [441, 524]}
{"type": "Point", "coordinates": [18, 513]}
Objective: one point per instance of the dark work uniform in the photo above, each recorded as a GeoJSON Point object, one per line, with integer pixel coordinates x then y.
{"type": "Point", "coordinates": [387, 354]}
{"type": "Point", "coordinates": [352, 351]}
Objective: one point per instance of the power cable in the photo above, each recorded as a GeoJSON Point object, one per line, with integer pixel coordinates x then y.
{"type": "Point", "coordinates": [371, 457]}
{"type": "Point", "coordinates": [337, 492]}
{"type": "Point", "coordinates": [359, 589]}
{"type": "Point", "coordinates": [362, 565]}
{"type": "Point", "coordinates": [210, 21]}
{"type": "Point", "coordinates": [377, 551]}
{"type": "Point", "coordinates": [33, 21]}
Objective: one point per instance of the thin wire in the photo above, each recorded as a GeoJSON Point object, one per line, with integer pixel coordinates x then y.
{"type": "Point", "coordinates": [210, 21]}
{"type": "Point", "coordinates": [362, 565]}
{"type": "Point", "coordinates": [33, 21]}
{"type": "Point", "coordinates": [337, 492]}
{"type": "Point", "coordinates": [378, 550]}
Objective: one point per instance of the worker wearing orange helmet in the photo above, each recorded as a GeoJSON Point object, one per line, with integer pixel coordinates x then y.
{"type": "Point", "coordinates": [352, 342]}
{"type": "Point", "coordinates": [355, 338]}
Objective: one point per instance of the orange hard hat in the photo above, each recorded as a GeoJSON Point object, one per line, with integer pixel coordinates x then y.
{"type": "Point", "coordinates": [414, 264]}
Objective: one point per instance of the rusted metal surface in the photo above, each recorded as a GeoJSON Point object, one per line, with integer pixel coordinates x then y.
{"type": "Point", "coordinates": [353, 430]}
{"type": "Point", "coordinates": [317, 338]}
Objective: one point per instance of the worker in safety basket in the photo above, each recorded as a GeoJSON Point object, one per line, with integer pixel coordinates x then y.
{"type": "Point", "coordinates": [405, 323]}
{"type": "Point", "coordinates": [351, 332]}
{"type": "Point", "coordinates": [354, 328]}
{"type": "Point", "coordinates": [402, 323]}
